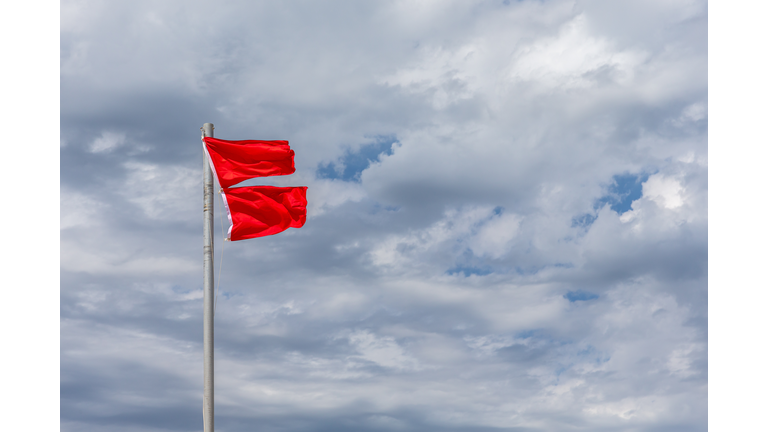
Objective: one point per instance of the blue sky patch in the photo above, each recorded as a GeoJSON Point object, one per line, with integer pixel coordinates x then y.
{"type": "Point", "coordinates": [579, 295]}
{"type": "Point", "coordinates": [584, 220]}
{"type": "Point", "coordinates": [468, 271]}
{"type": "Point", "coordinates": [623, 191]}
{"type": "Point", "coordinates": [351, 164]}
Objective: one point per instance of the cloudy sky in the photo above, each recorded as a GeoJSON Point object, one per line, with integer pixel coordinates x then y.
{"type": "Point", "coordinates": [507, 225]}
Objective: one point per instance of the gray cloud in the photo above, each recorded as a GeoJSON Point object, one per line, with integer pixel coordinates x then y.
{"type": "Point", "coordinates": [507, 225]}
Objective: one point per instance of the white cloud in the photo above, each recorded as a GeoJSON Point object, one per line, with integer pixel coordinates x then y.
{"type": "Point", "coordinates": [695, 112]}
{"type": "Point", "coordinates": [383, 351]}
{"type": "Point", "coordinates": [163, 191]}
{"type": "Point", "coordinates": [121, 262]}
{"type": "Point", "coordinates": [681, 360]}
{"type": "Point", "coordinates": [664, 191]}
{"type": "Point", "coordinates": [324, 195]}
{"type": "Point", "coordinates": [107, 142]}
{"type": "Point", "coordinates": [78, 209]}
{"type": "Point", "coordinates": [574, 59]}
{"type": "Point", "coordinates": [494, 238]}
{"type": "Point", "coordinates": [447, 75]}
{"type": "Point", "coordinates": [448, 235]}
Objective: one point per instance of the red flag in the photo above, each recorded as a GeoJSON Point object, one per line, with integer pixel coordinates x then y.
{"type": "Point", "coordinates": [258, 211]}
{"type": "Point", "coordinates": [235, 161]}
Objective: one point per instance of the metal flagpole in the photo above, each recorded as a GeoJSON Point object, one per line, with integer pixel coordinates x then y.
{"type": "Point", "coordinates": [208, 296]}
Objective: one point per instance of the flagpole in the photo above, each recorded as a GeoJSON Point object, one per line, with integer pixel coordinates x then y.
{"type": "Point", "coordinates": [208, 297]}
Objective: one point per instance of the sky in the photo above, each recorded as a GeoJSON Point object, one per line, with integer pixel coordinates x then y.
{"type": "Point", "coordinates": [507, 226]}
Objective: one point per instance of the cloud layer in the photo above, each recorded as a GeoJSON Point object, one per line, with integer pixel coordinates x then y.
{"type": "Point", "coordinates": [507, 224]}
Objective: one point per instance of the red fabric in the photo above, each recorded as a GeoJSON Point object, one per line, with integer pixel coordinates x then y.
{"type": "Point", "coordinates": [235, 161]}
{"type": "Point", "coordinates": [258, 211]}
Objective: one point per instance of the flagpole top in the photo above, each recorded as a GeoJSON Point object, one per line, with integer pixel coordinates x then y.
{"type": "Point", "coordinates": [208, 129]}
